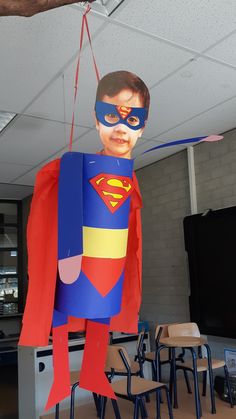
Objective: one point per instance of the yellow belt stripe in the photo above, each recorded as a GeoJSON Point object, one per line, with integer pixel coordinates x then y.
{"type": "Point", "coordinates": [105, 243]}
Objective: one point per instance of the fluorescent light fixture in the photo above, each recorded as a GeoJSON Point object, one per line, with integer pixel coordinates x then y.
{"type": "Point", "coordinates": [5, 119]}
{"type": "Point", "coordinates": [105, 7]}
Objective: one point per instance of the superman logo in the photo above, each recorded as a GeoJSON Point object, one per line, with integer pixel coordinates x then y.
{"type": "Point", "coordinates": [113, 189]}
{"type": "Point", "coordinates": [123, 111]}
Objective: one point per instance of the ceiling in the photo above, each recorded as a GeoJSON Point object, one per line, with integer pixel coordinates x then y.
{"type": "Point", "coordinates": [184, 50]}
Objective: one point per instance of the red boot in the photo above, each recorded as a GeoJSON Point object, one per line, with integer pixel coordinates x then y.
{"type": "Point", "coordinates": [61, 382]}
{"type": "Point", "coordinates": [92, 376]}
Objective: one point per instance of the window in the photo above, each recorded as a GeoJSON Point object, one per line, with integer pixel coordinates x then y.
{"type": "Point", "coordinates": [10, 257]}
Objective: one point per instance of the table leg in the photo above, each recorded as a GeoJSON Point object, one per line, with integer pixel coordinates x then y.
{"type": "Point", "coordinates": [196, 386]}
{"type": "Point", "coordinates": [213, 405]}
{"type": "Point", "coordinates": [174, 378]}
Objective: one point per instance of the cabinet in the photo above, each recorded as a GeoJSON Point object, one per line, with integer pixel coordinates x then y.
{"type": "Point", "coordinates": [10, 326]}
{"type": "Point", "coordinates": [35, 373]}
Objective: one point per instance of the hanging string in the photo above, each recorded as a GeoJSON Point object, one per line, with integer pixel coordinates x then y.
{"type": "Point", "coordinates": [84, 25]}
{"type": "Point", "coordinates": [64, 106]}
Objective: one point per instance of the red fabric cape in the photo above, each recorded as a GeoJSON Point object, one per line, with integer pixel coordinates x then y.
{"type": "Point", "coordinates": [42, 263]}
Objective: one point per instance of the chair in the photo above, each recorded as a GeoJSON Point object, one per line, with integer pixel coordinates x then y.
{"type": "Point", "coordinates": [131, 387]}
{"type": "Point", "coordinates": [163, 357]}
{"type": "Point", "coordinates": [136, 366]}
{"type": "Point", "coordinates": [202, 364]}
{"type": "Point", "coordinates": [74, 381]}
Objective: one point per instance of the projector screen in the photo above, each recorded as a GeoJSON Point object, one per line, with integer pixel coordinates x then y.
{"type": "Point", "coordinates": [210, 242]}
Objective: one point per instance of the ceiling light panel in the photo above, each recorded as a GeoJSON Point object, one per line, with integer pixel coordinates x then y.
{"type": "Point", "coordinates": [5, 119]}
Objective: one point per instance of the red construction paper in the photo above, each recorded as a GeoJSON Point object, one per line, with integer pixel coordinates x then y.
{"type": "Point", "coordinates": [104, 273]}
{"type": "Point", "coordinates": [42, 263]}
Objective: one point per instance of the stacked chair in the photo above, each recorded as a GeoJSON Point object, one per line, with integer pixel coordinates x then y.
{"type": "Point", "coordinates": [191, 329]}
{"type": "Point", "coordinates": [131, 387]}
{"type": "Point", "coordinates": [159, 358]}
{"type": "Point", "coordinates": [74, 380]}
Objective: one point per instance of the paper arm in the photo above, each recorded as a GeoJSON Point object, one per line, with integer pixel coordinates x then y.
{"type": "Point", "coordinates": [210, 138]}
{"type": "Point", "coordinates": [70, 217]}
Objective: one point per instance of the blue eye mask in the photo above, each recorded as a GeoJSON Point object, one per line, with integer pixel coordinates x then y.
{"type": "Point", "coordinates": [111, 115]}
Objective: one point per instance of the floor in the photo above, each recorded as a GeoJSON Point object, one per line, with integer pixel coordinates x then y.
{"type": "Point", "coordinates": [9, 402]}
{"type": "Point", "coordinates": [185, 410]}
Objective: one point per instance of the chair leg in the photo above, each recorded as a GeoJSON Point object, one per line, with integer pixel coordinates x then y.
{"type": "Point", "coordinates": [97, 401]}
{"type": "Point", "coordinates": [159, 377]}
{"type": "Point", "coordinates": [204, 383]}
{"type": "Point", "coordinates": [72, 400]}
{"type": "Point", "coordinates": [187, 382]}
{"type": "Point", "coordinates": [153, 371]}
{"type": "Point", "coordinates": [168, 402]}
{"type": "Point", "coordinates": [199, 400]}
{"type": "Point", "coordinates": [136, 408]}
{"type": "Point", "coordinates": [103, 407]}
{"type": "Point", "coordinates": [147, 398]}
{"type": "Point", "coordinates": [143, 409]}
{"type": "Point", "coordinates": [57, 413]}
{"type": "Point", "coordinates": [174, 378]}
{"type": "Point", "coordinates": [196, 389]}
{"type": "Point", "coordinates": [159, 369]}
{"type": "Point", "coordinates": [213, 405]}
{"type": "Point", "coordinates": [171, 383]}
{"type": "Point", "coordinates": [228, 385]}
{"type": "Point", "coordinates": [158, 405]}
{"type": "Point", "coordinates": [116, 408]}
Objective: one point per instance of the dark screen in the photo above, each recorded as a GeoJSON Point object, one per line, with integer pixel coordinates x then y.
{"type": "Point", "coordinates": [210, 242]}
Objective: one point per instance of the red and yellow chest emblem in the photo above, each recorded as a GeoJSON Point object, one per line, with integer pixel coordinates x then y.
{"type": "Point", "coordinates": [123, 111]}
{"type": "Point", "coordinates": [113, 189]}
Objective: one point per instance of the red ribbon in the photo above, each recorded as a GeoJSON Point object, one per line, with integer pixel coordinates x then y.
{"type": "Point", "coordinates": [84, 25]}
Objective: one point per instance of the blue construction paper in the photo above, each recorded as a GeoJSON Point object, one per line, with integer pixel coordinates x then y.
{"type": "Point", "coordinates": [70, 205]}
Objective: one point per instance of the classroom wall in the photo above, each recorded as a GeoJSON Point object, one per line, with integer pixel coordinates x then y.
{"type": "Point", "coordinates": [165, 191]}
{"type": "Point", "coordinates": [166, 201]}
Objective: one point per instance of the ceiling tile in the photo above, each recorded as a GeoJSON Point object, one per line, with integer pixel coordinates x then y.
{"type": "Point", "coordinates": [84, 108]}
{"type": "Point", "coordinates": [27, 178]}
{"type": "Point", "coordinates": [51, 103]}
{"type": "Point", "coordinates": [36, 50]}
{"type": "Point", "coordinates": [118, 44]}
{"type": "Point", "coordinates": [215, 121]}
{"type": "Point", "coordinates": [9, 171]}
{"type": "Point", "coordinates": [149, 58]}
{"type": "Point", "coordinates": [14, 191]}
{"type": "Point", "coordinates": [89, 142]}
{"type": "Point", "coordinates": [153, 156]}
{"type": "Point", "coordinates": [194, 24]}
{"type": "Point", "coordinates": [200, 86]}
{"type": "Point", "coordinates": [31, 140]}
{"type": "Point", "coordinates": [225, 50]}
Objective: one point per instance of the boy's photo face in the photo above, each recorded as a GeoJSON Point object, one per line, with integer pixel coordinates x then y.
{"type": "Point", "coordinates": [119, 140]}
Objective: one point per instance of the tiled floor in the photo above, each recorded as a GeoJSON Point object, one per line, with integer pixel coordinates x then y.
{"type": "Point", "coordinates": [186, 410]}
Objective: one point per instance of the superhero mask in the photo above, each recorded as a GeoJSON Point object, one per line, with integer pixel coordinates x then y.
{"type": "Point", "coordinates": [111, 115]}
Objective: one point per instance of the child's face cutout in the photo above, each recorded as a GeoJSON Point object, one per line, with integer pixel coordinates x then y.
{"type": "Point", "coordinates": [119, 140]}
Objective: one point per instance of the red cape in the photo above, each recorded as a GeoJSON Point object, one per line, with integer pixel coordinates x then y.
{"type": "Point", "coordinates": [42, 263]}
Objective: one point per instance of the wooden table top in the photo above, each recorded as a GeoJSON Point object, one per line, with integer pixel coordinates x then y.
{"type": "Point", "coordinates": [183, 341]}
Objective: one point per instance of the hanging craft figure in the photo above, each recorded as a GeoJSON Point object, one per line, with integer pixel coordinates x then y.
{"type": "Point", "coordinates": [84, 239]}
